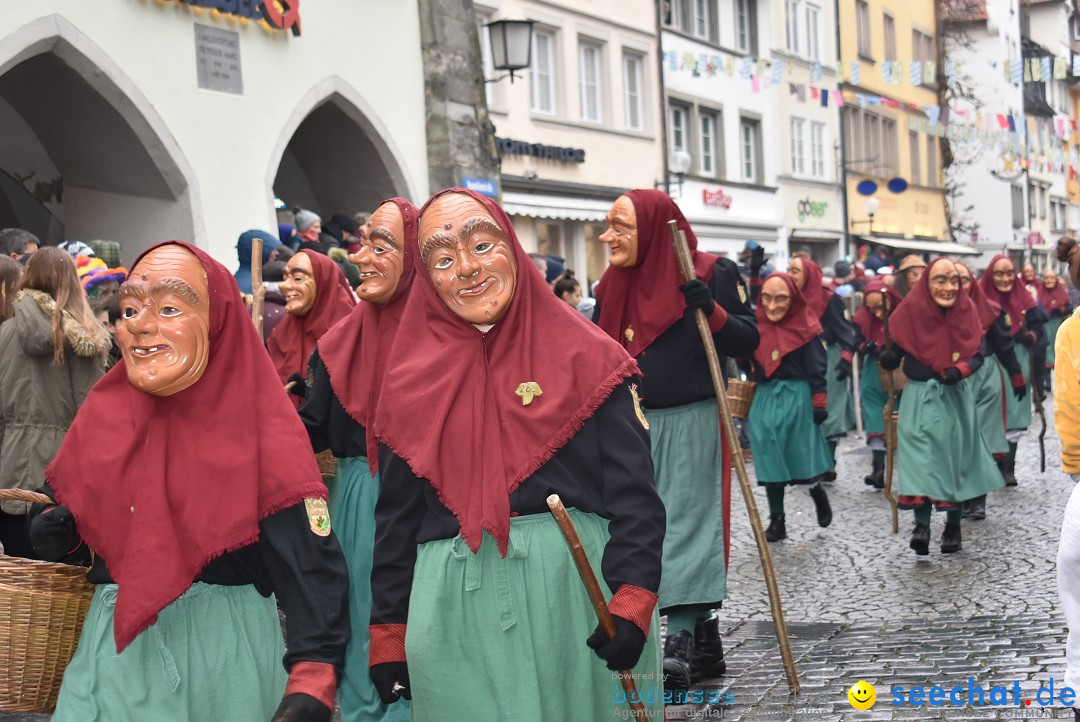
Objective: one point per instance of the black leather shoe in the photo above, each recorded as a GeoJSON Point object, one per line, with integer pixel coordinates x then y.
{"type": "Point", "coordinates": [1008, 471]}
{"type": "Point", "coordinates": [829, 475]}
{"type": "Point", "coordinates": [877, 474]}
{"type": "Point", "coordinates": [678, 651]}
{"type": "Point", "coordinates": [975, 509]}
{"type": "Point", "coordinates": [920, 540]}
{"type": "Point", "coordinates": [777, 529]}
{"type": "Point", "coordinates": [821, 505]}
{"type": "Point", "coordinates": [950, 539]}
{"type": "Point", "coordinates": [707, 661]}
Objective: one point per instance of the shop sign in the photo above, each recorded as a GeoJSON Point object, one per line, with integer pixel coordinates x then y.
{"type": "Point", "coordinates": [483, 186]}
{"type": "Point", "coordinates": [508, 146]}
{"type": "Point", "coordinates": [1034, 239]}
{"type": "Point", "coordinates": [217, 60]}
{"type": "Point", "coordinates": [279, 14]}
{"type": "Point", "coordinates": [811, 209]}
{"type": "Point", "coordinates": [716, 198]}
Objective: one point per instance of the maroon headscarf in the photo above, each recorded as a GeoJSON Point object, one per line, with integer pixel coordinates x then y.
{"type": "Point", "coordinates": [935, 336]}
{"type": "Point", "coordinates": [356, 348]}
{"type": "Point", "coordinates": [294, 338]}
{"type": "Point", "coordinates": [646, 297]}
{"type": "Point", "coordinates": [448, 404]}
{"type": "Point", "coordinates": [1053, 299]}
{"type": "Point", "coordinates": [1015, 303]}
{"type": "Point", "coordinates": [816, 294]}
{"type": "Point", "coordinates": [870, 326]}
{"type": "Point", "coordinates": [797, 328]}
{"type": "Point", "coordinates": [989, 312]}
{"type": "Point", "coordinates": [159, 486]}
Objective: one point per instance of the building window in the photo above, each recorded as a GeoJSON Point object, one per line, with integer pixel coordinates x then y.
{"type": "Point", "coordinates": [862, 27]}
{"type": "Point", "coordinates": [813, 32]}
{"type": "Point", "coordinates": [890, 149]}
{"type": "Point", "coordinates": [542, 73]}
{"type": "Point", "coordinates": [890, 36]}
{"type": "Point", "coordinates": [931, 162]}
{"type": "Point", "coordinates": [1057, 214]}
{"type": "Point", "coordinates": [677, 126]}
{"type": "Point", "coordinates": [796, 127]}
{"type": "Point", "coordinates": [750, 142]}
{"type": "Point", "coordinates": [923, 51]}
{"type": "Point", "coordinates": [673, 13]}
{"type": "Point", "coordinates": [794, 9]}
{"type": "Point", "coordinates": [1017, 206]}
{"type": "Point", "coordinates": [592, 95]}
{"type": "Point", "coordinates": [707, 161]}
{"type": "Point", "coordinates": [817, 150]}
{"type": "Point", "coordinates": [871, 150]}
{"type": "Point", "coordinates": [1033, 201]}
{"type": "Point", "coordinates": [693, 17]}
{"type": "Point", "coordinates": [632, 100]}
{"type": "Point", "coordinates": [916, 159]}
{"type": "Point", "coordinates": [1042, 202]}
{"type": "Point", "coordinates": [745, 30]}
{"type": "Point", "coordinates": [701, 19]}
{"type": "Point", "coordinates": [853, 135]}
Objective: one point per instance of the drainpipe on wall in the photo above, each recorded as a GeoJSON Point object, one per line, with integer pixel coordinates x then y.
{"type": "Point", "coordinates": [846, 250]}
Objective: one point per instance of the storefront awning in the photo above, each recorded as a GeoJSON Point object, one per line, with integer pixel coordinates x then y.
{"type": "Point", "coordinates": [815, 236]}
{"type": "Point", "coordinates": [555, 207]}
{"type": "Point", "coordinates": [945, 248]}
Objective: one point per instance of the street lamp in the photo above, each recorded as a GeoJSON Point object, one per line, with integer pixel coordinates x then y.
{"type": "Point", "coordinates": [511, 46]}
{"type": "Point", "coordinates": [678, 165]}
{"type": "Point", "coordinates": [872, 206]}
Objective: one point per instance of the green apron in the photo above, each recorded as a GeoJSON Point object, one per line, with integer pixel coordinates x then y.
{"type": "Point", "coordinates": [986, 387]}
{"type": "Point", "coordinates": [873, 396]}
{"type": "Point", "coordinates": [841, 417]}
{"type": "Point", "coordinates": [1018, 411]}
{"type": "Point", "coordinates": [1052, 327]}
{"type": "Point", "coordinates": [787, 444]}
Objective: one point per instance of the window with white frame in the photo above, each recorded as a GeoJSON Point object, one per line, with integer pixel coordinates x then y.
{"type": "Point", "coordinates": [916, 158]}
{"type": "Point", "coordinates": [1057, 214]}
{"type": "Point", "coordinates": [750, 150]}
{"type": "Point", "coordinates": [1042, 201]}
{"type": "Point", "coordinates": [817, 150]}
{"type": "Point", "coordinates": [889, 26]}
{"type": "Point", "coordinates": [862, 27]}
{"type": "Point", "coordinates": [542, 73]}
{"type": "Point", "coordinates": [678, 116]}
{"type": "Point", "coordinates": [797, 129]}
{"type": "Point", "coordinates": [701, 20]}
{"type": "Point", "coordinates": [707, 159]}
{"type": "Point", "coordinates": [1017, 206]}
{"type": "Point", "coordinates": [793, 10]}
{"type": "Point", "coordinates": [633, 105]}
{"type": "Point", "coordinates": [1033, 201]}
{"type": "Point", "coordinates": [890, 149]}
{"type": "Point", "coordinates": [745, 32]}
{"type": "Point", "coordinates": [813, 32]}
{"type": "Point", "coordinates": [923, 51]}
{"type": "Point", "coordinates": [590, 60]}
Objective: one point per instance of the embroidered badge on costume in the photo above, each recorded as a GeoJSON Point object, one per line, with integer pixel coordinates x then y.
{"type": "Point", "coordinates": [775, 354]}
{"type": "Point", "coordinates": [1008, 321]}
{"type": "Point", "coordinates": [742, 293]}
{"type": "Point", "coordinates": [955, 356]}
{"type": "Point", "coordinates": [318, 516]}
{"type": "Point", "coordinates": [637, 407]}
{"type": "Point", "coordinates": [628, 334]}
{"type": "Point", "coordinates": [528, 390]}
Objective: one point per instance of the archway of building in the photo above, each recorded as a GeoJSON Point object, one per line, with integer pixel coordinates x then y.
{"type": "Point", "coordinates": [83, 156]}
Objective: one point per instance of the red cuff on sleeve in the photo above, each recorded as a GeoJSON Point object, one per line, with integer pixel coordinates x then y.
{"type": "Point", "coordinates": [820, 401]}
{"type": "Point", "coordinates": [965, 369]}
{"type": "Point", "coordinates": [317, 679]}
{"type": "Point", "coordinates": [634, 604]}
{"type": "Point", "coordinates": [1017, 380]}
{"type": "Point", "coordinates": [387, 643]}
{"type": "Point", "coordinates": [755, 280]}
{"type": "Point", "coordinates": [847, 356]}
{"type": "Point", "coordinates": [718, 318]}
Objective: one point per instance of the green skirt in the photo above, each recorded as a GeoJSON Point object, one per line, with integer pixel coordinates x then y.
{"type": "Point", "coordinates": [353, 494]}
{"type": "Point", "coordinates": [841, 408]}
{"type": "Point", "coordinates": [941, 451]}
{"type": "Point", "coordinates": [787, 444]}
{"type": "Point", "coordinates": [873, 396]}
{"type": "Point", "coordinates": [213, 654]}
{"type": "Point", "coordinates": [688, 464]}
{"type": "Point", "coordinates": [986, 387]}
{"type": "Point", "coordinates": [1018, 411]}
{"type": "Point", "coordinates": [498, 640]}
{"type": "Point", "coordinates": [1052, 327]}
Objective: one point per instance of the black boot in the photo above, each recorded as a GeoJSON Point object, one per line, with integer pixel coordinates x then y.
{"type": "Point", "coordinates": [821, 505]}
{"type": "Point", "coordinates": [975, 509]}
{"type": "Point", "coordinates": [877, 472]}
{"type": "Point", "coordinates": [1008, 469]}
{"type": "Point", "coordinates": [830, 475]}
{"type": "Point", "coordinates": [950, 539]}
{"type": "Point", "coordinates": [678, 651]}
{"type": "Point", "coordinates": [707, 661]}
{"type": "Point", "coordinates": [920, 540]}
{"type": "Point", "coordinates": [777, 529]}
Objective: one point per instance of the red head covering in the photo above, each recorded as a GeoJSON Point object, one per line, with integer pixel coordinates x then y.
{"type": "Point", "coordinates": [1053, 299]}
{"type": "Point", "coordinates": [355, 349]}
{"type": "Point", "coordinates": [870, 326]}
{"type": "Point", "coordinates": [797, 328]}
{"type": "Point", "coordinates": [159, 486]}
{"type": "Point", "coordinates": [816, 294]}
{"type": "Point", "coordinates": [1015, 302]}
{"type": "Point", "coordinates": [989, 312]}
{"type": "Point", "coordinates": [646, 297]}
{"type": "Point", "coordinates": [294, 338]}
{"type": "Point", "coordinates": [937, 337]}
{"type": "Point", "coordinates": [448, 404]}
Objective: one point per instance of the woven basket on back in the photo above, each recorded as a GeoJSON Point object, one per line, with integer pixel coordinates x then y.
{"type": "Point", "coordinates": [42, 607]}
{"type": "Point", "coordinates": [327, 464]}
{"type": "Point", "coordinates": [740, 394]}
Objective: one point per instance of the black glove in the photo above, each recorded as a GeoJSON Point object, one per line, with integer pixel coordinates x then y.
{"type": "Point", "coordinates": [300, 707]}
{"type": "Point", "coordinates": [951, 376]}
{"type": "Point", "coordinates": [870, 348]}
{"type": "Point", "coordinates": [757, 260]}
{"type": "Point", "coordinates": [843, 369]}
{"type": "Point", "coordinates": [299, 388]}
{"type": "Point", "coordinates": [889, 360]}
{"type": "Point", "coordinates": [386, 675]}
{"type": "Point", "coordinates": [1020, 391]}
{"type": "Point", "coordinates": [53, 533]}
{"type": "Point", "coordinates": [697, 295]}
{"type": "Point", "coordinates": [820, 415]}
{"type": "Point", "coordinates": [1026, 338]}
{"type": "Point", "coordinates": [621, 651]}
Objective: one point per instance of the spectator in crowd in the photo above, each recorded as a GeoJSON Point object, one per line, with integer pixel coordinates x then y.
{"type": "Point", "coordinates": [16, 243]}
{"type": "Point", "coordinates": [309, 231]}
{"type": "Point", "coordinates": [10, 272]}
{"type": "Point", "coordinates": [107, 312]}
{"type": "Point", "coordinates": [287, 236]}
{"type": "Point", "coordinates": [556, 267]}
{"type": "Point", "coordinates": [878, 258]}
{"type": "Point", "coordinates": [243, 254]}
{"type": "Point", "coordinates": [342, 229]}
{"type": "Point", "coordinates": [907, 275]}
{"type": "Point", "coordinates": [540, 261]}
{"type": "Point", "coordinates": [568, 289]}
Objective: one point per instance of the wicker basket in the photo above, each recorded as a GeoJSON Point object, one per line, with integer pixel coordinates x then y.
{"type": "Point", "coordinates": [42, 607]}
{"type": "Point", "coordinates": [327, 464]}
{"type": "Point", "coordinates": [740, 394]}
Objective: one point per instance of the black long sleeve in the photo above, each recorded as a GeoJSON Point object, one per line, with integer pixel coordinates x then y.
{"type": "Point", "coordinates": [807, 362]}
{"type": "Point", "coordinates": [916, 370]}
{"type": "Point", "coordinates": [1035, 323]}
{"type": "Point", "coordinates": [836, 328]}
{"type": "Point", "coordinates": [1000, 343]}
{"type": "Point", "coordinates": [328, 425]}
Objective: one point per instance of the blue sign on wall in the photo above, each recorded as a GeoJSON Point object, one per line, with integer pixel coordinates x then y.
{"type": "Point", "coordinates": [481, 185]}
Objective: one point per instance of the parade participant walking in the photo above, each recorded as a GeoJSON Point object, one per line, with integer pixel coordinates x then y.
{"type": "Point", "coordinates": [316, 297]}
{"type": "Point", "coordinates": [195, 519]}
{"type": "Point", "coordinates": [347, 369]}
{"type": "Point", "coordinates": [838, 335]}
{"type": "Point", "coordinates": [790, 402]}
{"type": "Point", "coordinates": [480, 419]}
{"type": "Point", "coordinates": [937, 334]}
{"type": "Point", "coordinates": [51, 353]}
{"type": "Point", "coordinates": [641, 304]}
{"type": "Point", "coordinates": [1053, 297]}
{"type": "Point", "coordinates": [1026, 320]}
{"type": "Point", "coordinates": [872, 394]}
{"type": "Point", "coordinates": [243, 254]}
{"type": "Point", "coordinates": [1067, 408]}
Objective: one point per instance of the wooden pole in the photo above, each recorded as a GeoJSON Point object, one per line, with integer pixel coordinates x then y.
{"type": "Point", "coordinates": [888, 420]}
{"type": "Point", "coordinates": [258, 290]}
{"type": "Point", "coordinates": [596, 594]}
{"type": "Point", "coordinates": [682, 253]}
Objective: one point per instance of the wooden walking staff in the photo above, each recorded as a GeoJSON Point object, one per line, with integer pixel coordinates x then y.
{"type": "Point", "coordinates": [887, 417]}
{"type": "Point", "coordinates": [258, 290]}
{"type": "Point", "coordinates": [686, 266]}
{"type": "Point", "coordinates": [596, 594]}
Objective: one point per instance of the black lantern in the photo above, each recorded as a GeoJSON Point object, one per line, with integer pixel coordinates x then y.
{"type": "Point", "coordinates": [511, 46]}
